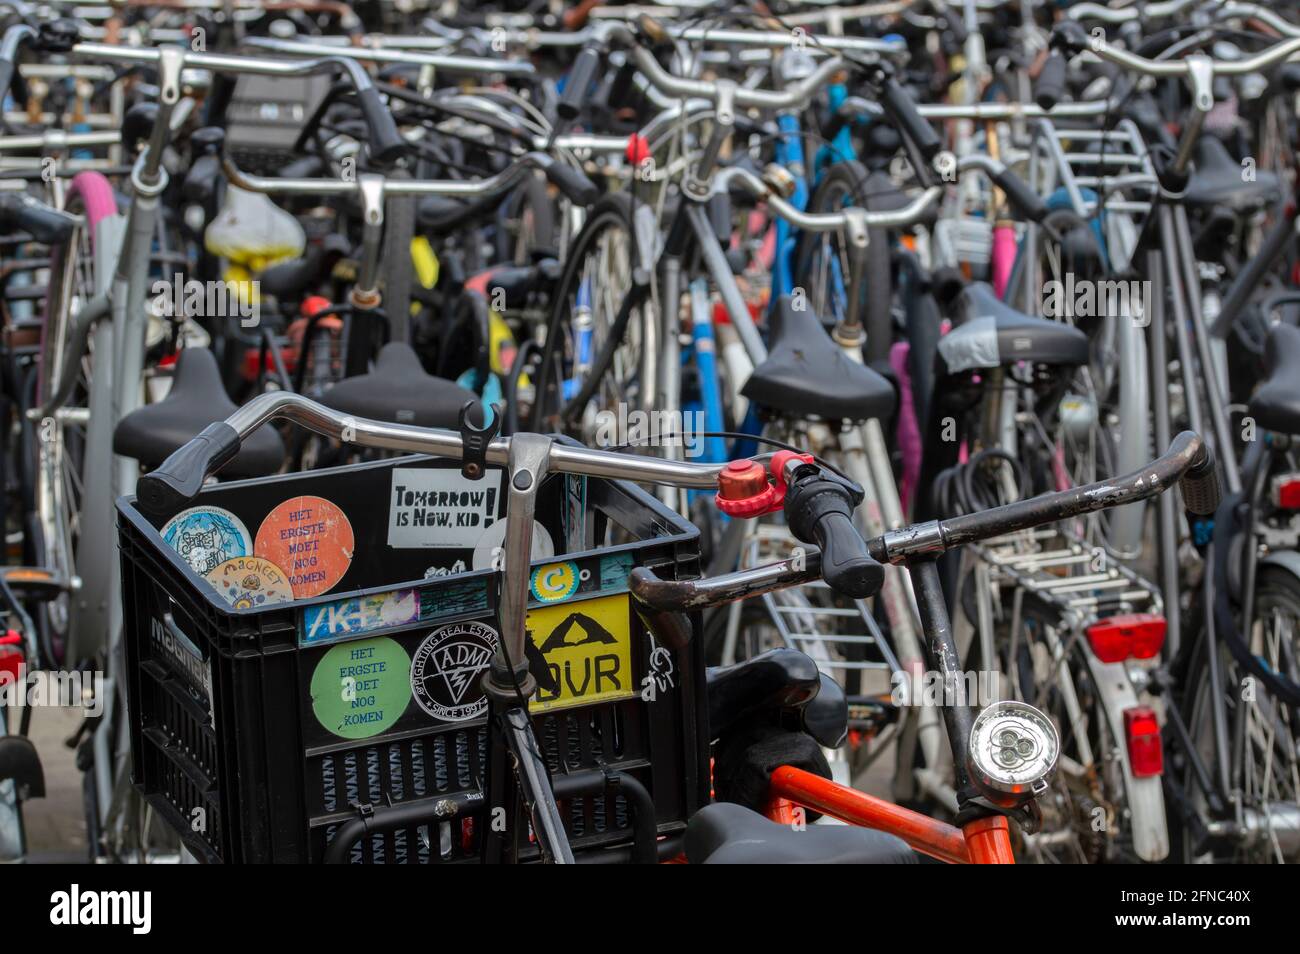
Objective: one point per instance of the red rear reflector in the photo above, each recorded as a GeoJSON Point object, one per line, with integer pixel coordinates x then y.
{"type": "Point", "coordinates": [1146, 754]}
{"type": "Point", "coordinates": [1286, 492]}
{"type": "Point", "coordinates": [638, 149]}
{"type": "Point", "coordinates": [1133, 635]}
{"type": "Point", "coordinates": [11, 657]}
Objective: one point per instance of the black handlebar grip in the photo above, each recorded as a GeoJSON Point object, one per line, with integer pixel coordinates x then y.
{"type": "Point", "coordinates": [1018, 193]}
{"type": "Point", "coordinates": [573, 183]}
{"type": "Point", "coordinates": [1200, 485]}
{"type": "Point", "coordinates": [47, 225]}
{"type": "Point", "coordinates": [386, 142]}
{"type": "Point", "coordinates": [622, 90]}
{"type": "Point", "coordinates": [847, 567]}
{"type": "Point", "coordinates": [578, 83]}
{"type": "Point", "coordinates": [1050, 85]}
{"type": "Point", "coordinates": [957, 26]}
{"type": "Point", "coordinates": [819, 509]}
{"type": "Point", "coordinates": [900, 106]}
{"type": "Point", "coordinates": [180, 477]}
{"type": "Point", "coordinates": [201, 181]}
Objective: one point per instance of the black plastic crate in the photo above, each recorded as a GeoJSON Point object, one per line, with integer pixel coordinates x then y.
{"type": "Point", "coordinates": [233, 745]}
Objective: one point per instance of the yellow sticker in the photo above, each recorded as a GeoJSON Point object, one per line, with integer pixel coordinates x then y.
{"type": "Point", "coordinates": [587, 646]}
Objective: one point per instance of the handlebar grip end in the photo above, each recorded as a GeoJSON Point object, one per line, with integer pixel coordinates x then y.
{"type": "Point", "coordinates": [1050, 86]}
{"type": "Point", "coordinates": [577, 83]}
{"type": "Point", "coordinates": [178, 480]}
{"type": "Point", "coordinates": [386, 143]}
{"type": "Point", "coordinates": [902, 111]}
{"type": "Point", "coordinates": [1202, 491]}
{"type": "Point", "coordinates": [1018, 193]}
{"type": "Point", "coordinates": [573, 183]}
{"type": "Point", "coordinates": [847, 567]}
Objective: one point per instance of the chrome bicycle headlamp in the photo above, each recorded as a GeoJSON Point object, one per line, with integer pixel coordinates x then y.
{"type": "Point", "coordinates": [1012, 753]}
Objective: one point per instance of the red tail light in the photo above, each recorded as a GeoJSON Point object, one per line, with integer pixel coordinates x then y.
{"type": "Point", "coordinates": [1286, 492]}
{"type": "Point", "coordinates": [11, 657]}
{"type": "Point", "coordinates": [1146, 754]}
{"type": "Point", "coordinates": [1133, 635]}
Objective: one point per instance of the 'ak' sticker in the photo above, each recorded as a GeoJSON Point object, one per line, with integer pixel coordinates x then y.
{"type": "Point", "coordinates": [447, 668]}
{"type": "Point", "coordinates": [311, 540]}
{"type": "Point", "coordinates": [250, 582]}
{"type": "Point", "coordinates": [359, 689]}
{"type": "Point", "coordinates": [206, 537]}
{"type": "Point", "coordinates": [587, 650]}
{"type": "Point", "coordinates": [361, 614]}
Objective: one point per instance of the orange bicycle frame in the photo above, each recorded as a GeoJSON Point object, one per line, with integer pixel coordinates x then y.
{"type": "Point", "coordinates": [985, 841]}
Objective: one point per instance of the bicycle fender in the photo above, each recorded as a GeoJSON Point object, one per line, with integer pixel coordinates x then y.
{"type": "Point", "coordinates": [1146, 799]}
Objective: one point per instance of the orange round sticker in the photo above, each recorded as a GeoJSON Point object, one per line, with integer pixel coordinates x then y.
{"type": "Point", "coordinates": [311, 539]}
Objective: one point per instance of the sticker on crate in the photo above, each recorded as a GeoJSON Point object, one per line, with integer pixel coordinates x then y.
{"type": "Point", "coordinates": [206, 537]}
{"type": "Point", "coordinates": [362, 688]}
{"type": "Point", "coordinates": [487, 548]}
{"type": "Point", "coordinates": [447, 670]}
{"type": "Point", "coordinates": [586, 650]}
{"type": "Point", "coordinates": [453, 599]}
{"type": "Point", "coordinates": [311, 539]}
{"type": "Point", "coordinates": [437, 507]}
{"type": "Point", "coordinates": [563, 580]}
{"type": "Point", "coordinates": [249, 582]}
{"type": "Point", "coordinates": [355, 616]}
{"type": "Point", "coordinates": [614, 571]}
{"type": "Point", "coordinates": [556, 581]}
{"type": "Point", "coordinates": [361, 614]}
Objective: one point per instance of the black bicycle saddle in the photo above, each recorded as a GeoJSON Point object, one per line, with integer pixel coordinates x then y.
{"type": "Point", "coordinates": [779, 681]}
{"type": "Point", "coordinates": [1276, 405]}
{"type": "Point", "coordinates": [726, 834]}
{"type": "Point", "coordinates": [400, 391]}
{"type": "Point", "coordinates": [1218, 180]}
{"type": "Point", "coordinates": [989, 333]}
{"type": "Point", "coordinates": [806, 374]}
{"type": "Point", "coordinates": [197, 398]}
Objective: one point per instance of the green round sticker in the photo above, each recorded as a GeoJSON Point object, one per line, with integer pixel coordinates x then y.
{"type": "Point", "coordinates": [360, 689]}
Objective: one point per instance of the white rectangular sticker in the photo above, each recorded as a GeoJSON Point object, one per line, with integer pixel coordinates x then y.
{"type": "Point", "coordinates": [435, 507]}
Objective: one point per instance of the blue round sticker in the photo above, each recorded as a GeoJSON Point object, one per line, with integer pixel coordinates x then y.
{"type": "Point", "coordinates": [206, 537]}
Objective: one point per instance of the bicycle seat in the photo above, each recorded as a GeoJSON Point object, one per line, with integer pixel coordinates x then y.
{"type": "Point", "coordinates": [1217, 180]}
{"type": "Point", "coordinates": [1275, 406]}
{"type": "Point", "coordinates": [399, 390]}
{"type": "Point", "coordinates": [989, 333]}
{"type": "Point", "coordinates": [806, 374]}
{"type": "Point", "coordinates": [197, 398]}
{"type": "Point", "coordinates": [776, 679]}
{"type": "Point", "coordinates": [726, 834]}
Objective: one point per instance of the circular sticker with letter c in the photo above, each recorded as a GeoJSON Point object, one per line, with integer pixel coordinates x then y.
{"type": "Point", "coordinates": [311, 540]}
{"type": "Point", "coordinates": [555, 581]}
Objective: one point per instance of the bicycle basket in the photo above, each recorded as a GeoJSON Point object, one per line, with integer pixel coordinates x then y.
{"type": "Point", "coordinates": [344, 675]}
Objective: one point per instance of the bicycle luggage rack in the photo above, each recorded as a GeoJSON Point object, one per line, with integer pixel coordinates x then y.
{"type": "Point", "coordinates": [1081, 583]}
{"type": "Point", "coordinates": [248, 738]}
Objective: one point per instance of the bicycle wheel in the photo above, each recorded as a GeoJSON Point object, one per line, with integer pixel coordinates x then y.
{"type": "Point", "coordinates": [1083, 812]}
{"type": "Point", "coordinates": [822, 262]}
{"type": "Point", "coordinates": [1262, 732]}
{"type": "Point", "coordinates": [57, 444]}
{"type": "Point", "coordinates": [596, 330]}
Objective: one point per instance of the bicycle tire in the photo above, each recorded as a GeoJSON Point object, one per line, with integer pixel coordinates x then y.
{"type": "Point", "coordinates": [551, 412]}
{"type": "Point", "coordinates": [842, 179]}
